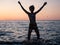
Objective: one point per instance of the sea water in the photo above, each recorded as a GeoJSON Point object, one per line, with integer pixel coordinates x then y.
{"type": "Point", "coordinates": [17, 31]}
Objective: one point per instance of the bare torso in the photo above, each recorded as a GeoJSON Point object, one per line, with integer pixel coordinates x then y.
{"type": "Point", "coordinates": [32, 17]}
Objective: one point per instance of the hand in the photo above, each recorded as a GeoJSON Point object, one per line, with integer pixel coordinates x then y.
{"type": "Point", "coordinates": [19, 2]}
{"type": "Point", "coordinates": [45, 3]}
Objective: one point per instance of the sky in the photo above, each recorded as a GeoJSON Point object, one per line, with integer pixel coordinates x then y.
{"type": "Point", "coordinates": [11, 10]}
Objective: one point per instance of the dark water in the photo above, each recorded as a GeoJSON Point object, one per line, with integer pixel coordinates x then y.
{"type": "Point", "coordinates": [16, 31]}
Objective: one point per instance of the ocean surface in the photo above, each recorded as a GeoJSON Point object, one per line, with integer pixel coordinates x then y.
{"type": "Point", "coordinates": [16, 31]}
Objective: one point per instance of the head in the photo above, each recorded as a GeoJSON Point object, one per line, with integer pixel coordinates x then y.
{"type": "Point", "coordinates": [31, 8]}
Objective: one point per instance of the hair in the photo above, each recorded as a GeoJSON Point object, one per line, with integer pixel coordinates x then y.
{"type": "Point", "coordinates": [31, 8]}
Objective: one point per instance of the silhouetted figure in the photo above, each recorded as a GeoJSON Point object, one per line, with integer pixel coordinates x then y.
{"type": "Point", "coordinates": [32, 18]}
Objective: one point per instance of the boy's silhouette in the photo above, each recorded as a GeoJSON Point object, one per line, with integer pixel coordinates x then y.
{"type": "Point", "coordinates": [32, 18]}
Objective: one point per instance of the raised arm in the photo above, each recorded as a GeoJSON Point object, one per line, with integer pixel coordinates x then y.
{"type": "Point", "coordinates": [41, 7]}
{"type": "Point", "coordinates": [23, 8]}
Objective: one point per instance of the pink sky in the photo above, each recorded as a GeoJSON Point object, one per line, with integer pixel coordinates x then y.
{"type": "Point", "coordinates": [11, 10]}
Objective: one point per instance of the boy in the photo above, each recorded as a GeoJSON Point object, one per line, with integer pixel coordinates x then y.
{"type": "Point", "coordinates": [32, 18]}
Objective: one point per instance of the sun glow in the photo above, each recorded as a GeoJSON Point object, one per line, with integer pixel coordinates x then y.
{"type": "Point", "coordinates": [11, 10]}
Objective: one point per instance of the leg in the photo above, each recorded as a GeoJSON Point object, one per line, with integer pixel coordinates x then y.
{"type": "Point", "coordinates": [29, 34]}
{"type": "Point", "coordinates": [37, 32]}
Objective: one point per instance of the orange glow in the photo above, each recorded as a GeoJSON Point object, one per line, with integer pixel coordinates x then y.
{"type": "Point", "coordinates": [14, 12]}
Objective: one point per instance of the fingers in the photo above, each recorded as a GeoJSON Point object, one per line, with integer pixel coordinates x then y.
{"type": "Point", "coordinates": [19, 2]}
{"type": "Point", "coordinates": [45, 3]}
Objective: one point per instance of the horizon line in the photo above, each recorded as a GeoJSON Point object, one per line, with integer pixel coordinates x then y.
{"type": "Point", "coordinates": [28, 20]}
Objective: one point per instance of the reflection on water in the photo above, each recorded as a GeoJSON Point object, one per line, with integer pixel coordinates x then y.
{"type": "Point", "coordinates": [17, 30]}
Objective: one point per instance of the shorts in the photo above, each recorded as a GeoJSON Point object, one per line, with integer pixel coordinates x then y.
{"type": "Point", "coordinates": [33, 26]}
